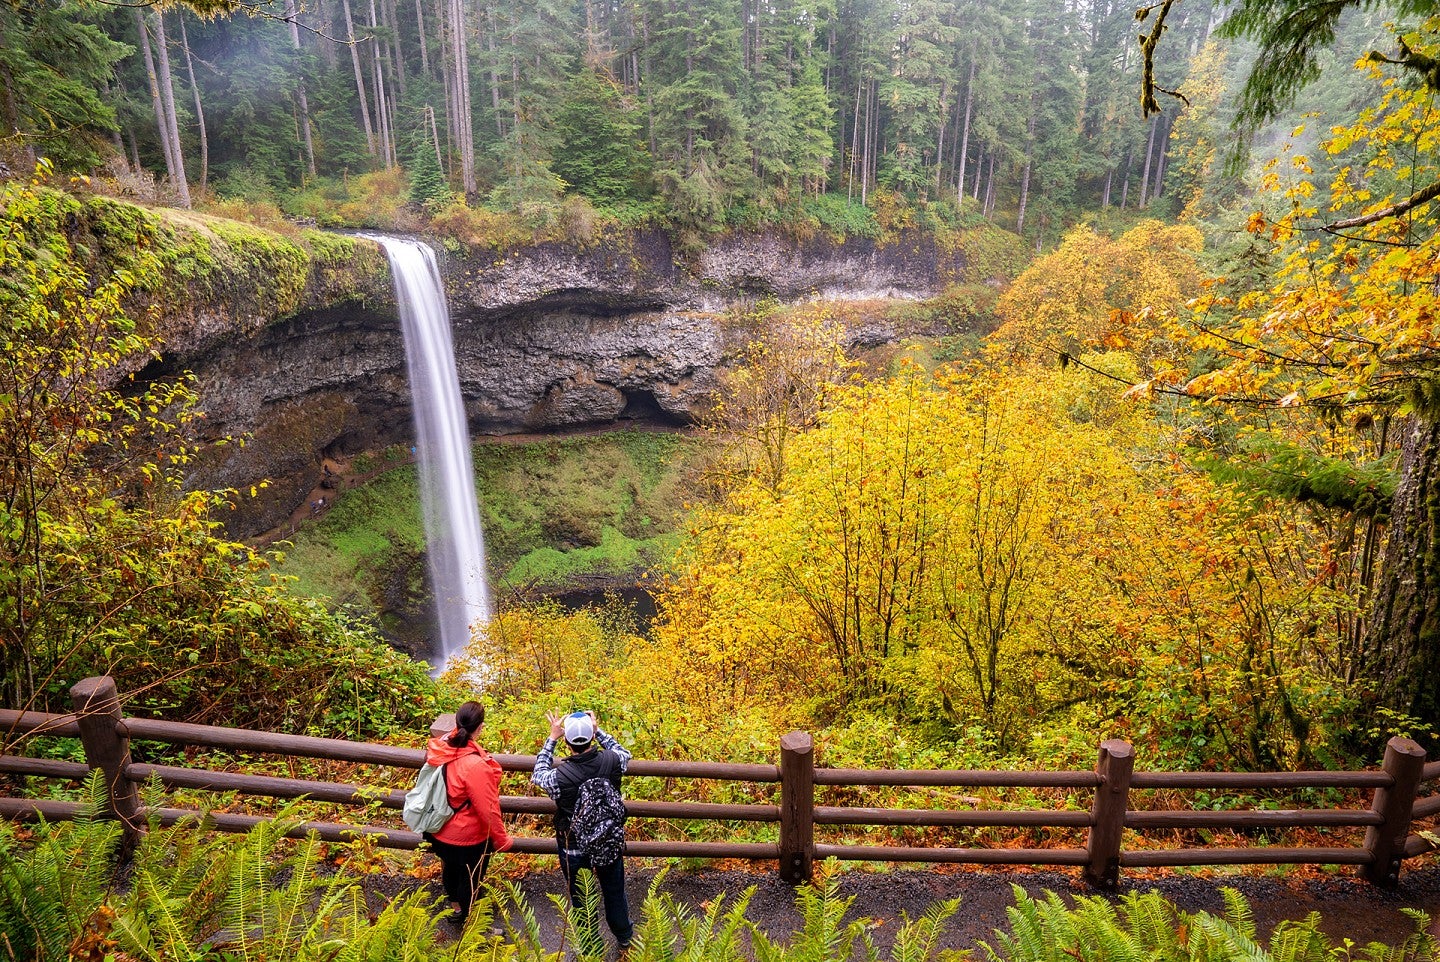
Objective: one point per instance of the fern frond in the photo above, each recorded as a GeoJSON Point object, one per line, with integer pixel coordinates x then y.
{"type": "Point", "coordinates": [765, 949]}
{"type": "Point", "coordinates": [655, 933]}
{"type": "Point", "coordinates": [525, 936]}
{"type": "Point", "coordinates": [723, 928]}
{"type": "Point", "coordinates": [582, 923]}
{"type": "Point", "coordinates": [404, 930]}
{"type": "Point", "coordinates": [870, 952]}
{"type": "Point", "coordinates": [1224, 940]}
{"type": "Point", "coordinates": [1025, 941]}
{"type": "Point", "coordinates": [34, 918]}
{"type": "Point", "coordinates": [1237, 912]}
{"type": "Point", "coordinates": [156, 915]}
{"type": "Point", "coordinates": [1300, 941]}
{"type": "Point", "coordinates": [51, 890]}
{"type": "Point", "coordinates": [917, 939]}
{"type": "Point", "coordinates": [1151, 920]}
{"type": "Point", "coordinates": [1420, 945]}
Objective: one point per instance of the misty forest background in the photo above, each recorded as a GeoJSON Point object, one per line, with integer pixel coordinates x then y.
{"type": "Point", "coordinates": [698, 115]}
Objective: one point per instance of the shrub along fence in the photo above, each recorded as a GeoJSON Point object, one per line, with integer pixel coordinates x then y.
{"type": "Point", "coordinates": [1396, 803]}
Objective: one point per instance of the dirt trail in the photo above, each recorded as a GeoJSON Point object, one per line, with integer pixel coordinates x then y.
{"type": "Point", "coordinates": [1349, 907]}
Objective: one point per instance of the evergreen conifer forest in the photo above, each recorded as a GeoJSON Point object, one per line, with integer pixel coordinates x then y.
{"type": "Point", "coordinates": [1162, 466]}
{"type": "Point", "coordinates": [700, 115]}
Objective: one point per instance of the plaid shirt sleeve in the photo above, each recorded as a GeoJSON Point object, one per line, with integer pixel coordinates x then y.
{"type": "Point", "coordinates": [608, 741]}
{"type": "Point", "coordinates": [545, 776]}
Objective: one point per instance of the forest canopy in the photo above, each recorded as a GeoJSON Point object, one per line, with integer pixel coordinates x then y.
{"type": "Point", "coordinates": [701, 115]}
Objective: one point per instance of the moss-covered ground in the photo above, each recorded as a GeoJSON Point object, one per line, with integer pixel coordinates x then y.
{"type": "Point", "coordinates": [557, 512]}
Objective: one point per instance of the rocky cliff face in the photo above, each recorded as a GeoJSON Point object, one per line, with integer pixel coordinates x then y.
{"type": "Point", "coordinates": [546, 338]}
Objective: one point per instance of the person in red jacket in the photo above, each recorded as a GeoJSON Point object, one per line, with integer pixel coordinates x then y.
{"type": "Point", "coordinates": [475, 830]}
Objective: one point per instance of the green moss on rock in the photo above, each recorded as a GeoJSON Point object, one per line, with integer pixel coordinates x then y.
{"type": "Point", "coordinates": [237, 275]}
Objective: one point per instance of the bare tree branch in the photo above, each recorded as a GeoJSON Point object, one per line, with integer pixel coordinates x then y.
{"type": "Point", "coordinates": [249, 9]}
{"type": "Point", "coordinates": [1394, 210]}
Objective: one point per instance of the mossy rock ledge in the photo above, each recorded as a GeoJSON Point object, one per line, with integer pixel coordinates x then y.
{"type": "Point", "coordinates": [295, 343]}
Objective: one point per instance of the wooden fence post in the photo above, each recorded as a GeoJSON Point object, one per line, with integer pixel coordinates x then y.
{"type": "Point", "coordinates": [797, 807]}
{"type": "Point", "coordinates": [1107, 815]}
{"type": "Point", "coordinates": [1404, 761]}
{"type": "Point", "coordinates": [442, 725]}
{"type": "Point", "coordinates": [107, 747]}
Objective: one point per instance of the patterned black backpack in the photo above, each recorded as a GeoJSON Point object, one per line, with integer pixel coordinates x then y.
{"type": "Point", "coordinates": [598, 825]}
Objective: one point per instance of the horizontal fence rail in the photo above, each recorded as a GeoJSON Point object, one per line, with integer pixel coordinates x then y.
{"type": "Point", "coordinates": [1396, 803]}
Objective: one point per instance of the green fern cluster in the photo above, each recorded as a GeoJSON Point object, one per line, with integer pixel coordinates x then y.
{"type": "Point", "coordinates": [720, 930]}
{"type": "Point", "coordinates": [194, 896]}
{"type": "Point", "coordinates": [50, 890]}
{"type": "Point", "coordinates": [197, 896]}
{"type": "Point", "coordinates": [1147, 928]}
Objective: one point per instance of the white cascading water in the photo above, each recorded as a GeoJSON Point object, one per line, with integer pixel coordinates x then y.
{"type": "Point", "coordinates": [455, 543]}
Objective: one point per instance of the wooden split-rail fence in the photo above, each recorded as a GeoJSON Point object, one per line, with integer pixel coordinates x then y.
{"type": "Point", "coordinates": [1390, 822]}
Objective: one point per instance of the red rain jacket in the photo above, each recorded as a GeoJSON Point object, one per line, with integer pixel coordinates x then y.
{"type": "Point", "coordinates": [473, 775]}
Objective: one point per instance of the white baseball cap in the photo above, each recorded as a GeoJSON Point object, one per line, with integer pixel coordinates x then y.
{"type": "Point", "coordinates": [579, 729]}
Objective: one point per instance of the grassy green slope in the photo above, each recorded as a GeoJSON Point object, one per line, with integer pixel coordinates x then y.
{"type": "Point", "coordinates": [557, 512]}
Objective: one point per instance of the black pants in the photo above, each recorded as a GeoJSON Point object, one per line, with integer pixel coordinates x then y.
{"type": "Point", "coordinates": [611, 879]}
{"type": "Point", "coordinates": [462, 869]}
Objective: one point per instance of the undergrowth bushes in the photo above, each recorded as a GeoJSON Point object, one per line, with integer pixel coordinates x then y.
{"type": "Point", "coordinates": [205, 897]}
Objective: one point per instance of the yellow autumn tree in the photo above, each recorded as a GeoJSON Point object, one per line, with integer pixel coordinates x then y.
{"type": "Point", "coordinates": [1098, 293]}
{"type": "Point", "coordinates": [1009, 551]}
{"type": "Point", "coordinates": [1348, 330]}
{"type": "Point", "coordinates": [778, 389]}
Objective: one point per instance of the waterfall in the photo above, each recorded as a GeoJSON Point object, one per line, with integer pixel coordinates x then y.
{"type": "Point", "coordinates": [455, 543]}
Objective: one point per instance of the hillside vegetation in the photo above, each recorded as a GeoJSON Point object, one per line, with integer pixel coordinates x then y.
{"type": "Point", "coordinates": [991, 561]}
{"type": "Point", "coordinates": [557, 513]}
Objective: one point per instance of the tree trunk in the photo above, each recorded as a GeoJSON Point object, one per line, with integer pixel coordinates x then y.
{"type": "Point", "coordinates": [153, 80]}
{"type": "Point", "coordinates": [1149, 156]}
{"type": "Point", "coordinates": [1029, 165]}
{"type": "Point", "coordinates": [397, 56]}
{"type": "Point", "coordinates": [593, 58]}
{"type": "Point", "coordinates": [854, 140]}
{"type": "Point", "coordinates": [291, 14]}
{"type": "Point", "coordinates": [494, 72]}
{"type": "Point", "coordinates": [1402, 652]}
{"type": "Point", "coordinates": [328, 53]}
{"type": "Point", "coordinates": [447, 79]}
{"type": "Point", "coordinates": [359, 78]}
{"type": "Point", "coordinates": [11, 111]}
{"type": "Point", "coordinates": [1125, 181]}
{"type": "Point", "coordinates": [514, 80]}
{"type": "Point", "coordinates": [990, 188]}
{"type": "Point", "coordinates": [435, 136]}
{"type": "Point", "coordinates": [1162, 160]}
{"type": "Point", "coordinates": [382, 112]}
{"type": "Point", "coordinates": [465, 126]}
{"type": "Point", "coordinates": [8, 109]}
{"type": "Point", "coordinates": [965, 133]}
{"type": "Point", "coordinates": [167, 98]}
{"type": "Point", "coordinates": [200, 110]}
{"type": "Point", "coordinates": [132, 143]}
{"type": "Point", "coordinates": [869, 144]}
{"type": "Point", "coordinates": [424, 41]}
{"type": "Point", "coordinates": [646, 74]}
{"type": "Point", "coordinates": [940, 136]}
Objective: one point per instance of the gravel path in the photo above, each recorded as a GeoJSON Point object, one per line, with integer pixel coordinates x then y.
{"type": "Point", "coordinates": [1350, 907]}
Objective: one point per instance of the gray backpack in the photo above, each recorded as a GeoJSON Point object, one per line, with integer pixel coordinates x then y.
{"type": "Point", "coordinates": [427, 805]}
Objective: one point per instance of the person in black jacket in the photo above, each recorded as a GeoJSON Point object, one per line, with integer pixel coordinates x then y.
{"type": "Point", "coordinates": [593, 754]}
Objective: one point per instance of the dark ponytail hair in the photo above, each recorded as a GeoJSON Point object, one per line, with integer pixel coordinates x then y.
{"type": "Point", "coordinates": [468, 717]}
